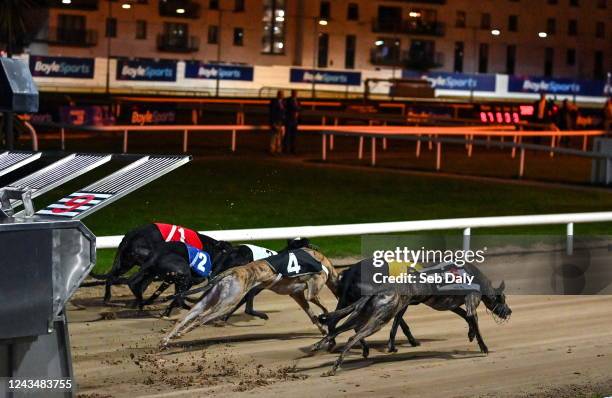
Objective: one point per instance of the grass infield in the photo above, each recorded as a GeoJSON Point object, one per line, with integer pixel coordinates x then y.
{"type": "Point", "coordinates": [236, 192]}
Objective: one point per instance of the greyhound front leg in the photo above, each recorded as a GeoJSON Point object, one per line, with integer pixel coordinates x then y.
{"type": "Point", "coordinates": [191, 315]}
{"type": "Point", "coordinates": [301, 300]}
{"type": "Point", "coordinates": [471, 303]}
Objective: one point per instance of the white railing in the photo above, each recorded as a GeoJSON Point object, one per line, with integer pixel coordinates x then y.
{"type": "Point", "coordinates": [465, 224]}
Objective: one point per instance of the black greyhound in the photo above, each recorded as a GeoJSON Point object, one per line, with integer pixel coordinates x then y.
{"type": "Point", "coordinates": [178, 264]}
{"type": "Point", "coordinates": [368, 314]}
{"type": "Point", "coordinates": [138, 245]}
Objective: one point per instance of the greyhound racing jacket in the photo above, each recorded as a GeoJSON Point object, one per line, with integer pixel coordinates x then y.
{"type": "Point", "coordinates": [176, 233]}
{"type": "Point", "coordinates": [199, 261]}
{"type": "Point", "coordinates": [294, 263]}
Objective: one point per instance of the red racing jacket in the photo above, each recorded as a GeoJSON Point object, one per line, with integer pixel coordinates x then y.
{"type": "Point", "coordinates": [176, 233]}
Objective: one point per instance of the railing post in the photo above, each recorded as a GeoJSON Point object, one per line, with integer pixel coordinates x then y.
{"type": "Point", "coordinates": [373, 151]}
{"type": "Point", "coordinates": [125, 141]}
{"type": "Point", "coordinates": [418, 146]}
{"type": "Point", "coordinates": [570, 238]}
{"type": "Point", "coordinates": [522, 163]}
{"type": "Point", "coordinates": [585, 143]}
{"type": "Point", "coordinates": [233, 141]}
{"type": "Point", "coordinates": [467, 232]}
{"type": "Point", "coordinates": [384, 143]}
{"type": "Point", "coordinates": [323, 147]}
{"type": "Point", "coordinates": [331, 142]}
{"type": "Point", "coordinates": [185, 140]}
{"type": "Point", "coordinates": [360, 150]}
{"type": "Point", "coordinates": [438, 155]}
{"type": "Point", "coordinates": [552, 145]}
{"type": "Point", "coordinates": [63, 138]}
{"type": "Point", "coordinates": [514, 146]}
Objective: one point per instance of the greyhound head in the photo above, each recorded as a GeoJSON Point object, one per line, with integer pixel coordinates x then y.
{"type": "Point", "coordinates": [496, 303]}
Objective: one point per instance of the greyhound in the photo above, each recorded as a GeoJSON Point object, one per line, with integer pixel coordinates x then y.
{"type": "Point", "coordinates": [370, 313]}
{"type": "Point", "coordinates": [138, 245]}
{"type": "Point", "coordinates": [299, 273]}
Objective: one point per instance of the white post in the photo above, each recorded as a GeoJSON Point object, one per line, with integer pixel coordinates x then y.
{"type": "Point", "coordinates": [467, 232]}
{"type": "Point", "coordinates": [522, 163]}
{"type": "Point", "coordinates": [63, 138]}
{"type": "Point", "coordinates": [331, 142]}
{"type": "Point", "coordinates": [185, 139]}
{"type": "Point", "coordinates": [233, 140]}
{"type": "Point", "coordinates": [570, 238]}
{"type": "Point", "coordinates": [418, 146]}
{"type": "Point", "coordinates": [360, 150]}
{"type": "Point", "coordinates": [125, 141]}
{"type": "Point", "coordinates": [438, 155]}
{"type": "Point", "coordinates": [514, 147]}
{"type": "Point", "coordinates": [585, 143]}
{"type": "Point", "coordinates": [373, 151]}
{"type": "Point", "coordinates": [552, 145]}
{"type": "Point", "coordinates": [323, 147]}
{"type": "Point", "coordinates": [384, 143]}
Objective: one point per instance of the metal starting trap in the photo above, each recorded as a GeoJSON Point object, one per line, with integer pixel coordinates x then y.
{"type": "Point", "coordinates": [46, 254]}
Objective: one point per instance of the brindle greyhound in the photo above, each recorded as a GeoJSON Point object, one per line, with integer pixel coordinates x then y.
{"type": "Point", "coordinates": [228, 289]}
{"type": "Point", "coordinates": [370, 313]}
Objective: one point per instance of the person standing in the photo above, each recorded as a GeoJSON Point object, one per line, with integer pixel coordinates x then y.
{"type": "Point", "coordinates": [607, 116]}
{"type": "Point", "coordinates": [277, 118]}
{"type": "Point", "coordinates": [292, 115]}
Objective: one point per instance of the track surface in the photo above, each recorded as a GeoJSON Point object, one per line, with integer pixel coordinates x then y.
{"type": "Point", "coordinates": [552, 346]}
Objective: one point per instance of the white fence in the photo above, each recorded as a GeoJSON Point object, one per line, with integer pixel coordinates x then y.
{"type": "Point", "coordinates": [465, 224]}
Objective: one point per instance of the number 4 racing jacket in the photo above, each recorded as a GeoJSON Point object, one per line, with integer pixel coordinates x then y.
{"type": "Point", "coordinates": [294, 263]}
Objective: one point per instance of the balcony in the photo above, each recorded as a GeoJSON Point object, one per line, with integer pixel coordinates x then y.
{"type": "Point", "coordinates": [410, 27]}
{"type": "Point", "coordinates": [179, 9]}
{"type": "Point", "coordinates": [72, 37]}
{"type": "Point", "coordinates": [418, 61]}
{"type": "Point", "coordinates": [177, 44]}
{"type": "Point", "coordinates": [85, 5]}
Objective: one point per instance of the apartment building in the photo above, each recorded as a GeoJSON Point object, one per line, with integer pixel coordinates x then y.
{"type": "Point", "coordinates": [560, 38]}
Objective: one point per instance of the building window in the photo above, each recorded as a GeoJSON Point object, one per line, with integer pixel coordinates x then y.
{"type": "Point", "coordinates": [459, 50]}
{"type": "Point", "coordinates": [352, 12]}
{"type": "Point", "coordinates": [70, 28]}
{"type": "Point", "coordinates": [141, 29]}
{"type": "Point", "coordinates": [572, 27]}
{"type": "Point", "coordinates": [273, 41]}
{"type": "Point", "coordinates": [460, 19]}
{"type": "Point", "coordinates": [325, 10]}
{"type": "Point", "coordinates": [600, 30]}
{"type": "Point", "coordinates": [549, 59]}
{"type": "Point", "coordinates": [551, 26]}
{"type": "Point", "coordinates": [485, 21]}
{"type": "Point", "coordinates": [176, 35]}
{"type": "Point", "coordinates": [238, 36]}
{"type": "Point", "coordinates": [602, 4]}
{"type": "Point", "coordinates": [213, 4]}
{"type": "Point", "coordinates": [510, 59]}
{"type": "Point", "coordinates": [483, 58]}
{"type": "Point", "coordinates": [323, 50]}
{"type": "Point", "coordinates": [513, 23]}
{"type": "Point", "coordinates": [574, 3]}
{"type": "Point", "coordinates": [213, 34]}
{"type": "Point", "coordinates": [598, 69]}
{"type": "Point", "coordinates": [238, 5]}
{"type": "Point", "coordinates": [349, 51]}
{"type": "Point", "coordinates": [386, 52]}
{"type": "Point", "coordinates": [111, 27]}
{"type": "Point", "coordinates": [570, 57]}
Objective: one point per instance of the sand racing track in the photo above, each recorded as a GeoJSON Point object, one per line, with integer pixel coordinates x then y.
{"type": "Point", "coordinates": [552, 346]}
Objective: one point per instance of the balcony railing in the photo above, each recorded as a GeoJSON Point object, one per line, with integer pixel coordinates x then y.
{"type": "Point", "coordinates": [87, 5]}
{"type": "Point", "coordinates": [179, 9]}
{"type": "Point", "coordinates": [406, 59]}
{"type": "Point", "coordinates": [72, 37]}
{"type": "Point", "coordinates": [410, 26]}
{"type": "Point", "coordinates": [174, 44]}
